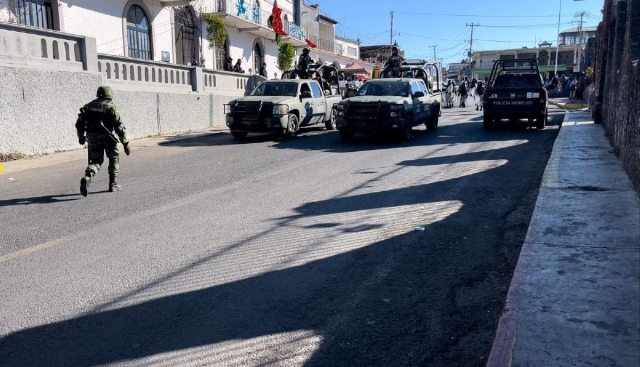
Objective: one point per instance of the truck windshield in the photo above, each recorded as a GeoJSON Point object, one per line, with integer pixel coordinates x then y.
{"type": "Point", "coordinates": [399, 89]}
{"type": "Point", "coordinates": [390, 74]}
{"type": "Point", "coordinates": [283, 89]}
{"type": "Point", "coordinates": [517, 81]}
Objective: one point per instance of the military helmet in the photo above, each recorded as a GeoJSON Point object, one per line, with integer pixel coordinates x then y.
{"type": "Point", "coordinates": [105, 92]}
{"type": "Point", "coordinates": [305, 50]}
{"type": "Point", "coordinates": [394, 49]}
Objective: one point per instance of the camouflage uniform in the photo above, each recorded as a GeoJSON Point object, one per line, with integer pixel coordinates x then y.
{"type": "Point", "coordinates": [395, 62]}
{"type": "Point", "coordinates": [99, 120]}
{"type": "Point", "coordinates": [303, 64]}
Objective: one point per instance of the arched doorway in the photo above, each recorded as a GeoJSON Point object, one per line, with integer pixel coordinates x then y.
{"type": "Point", "coordinates": [138, 35]}
{"type": "Point", "coordinates": [257, 58]}
{"type": "Point", "coordinates": [185, 36]}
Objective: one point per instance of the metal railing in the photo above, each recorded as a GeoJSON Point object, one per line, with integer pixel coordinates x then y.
{"type": "Point", "coordinates": [249, 11]}
{"type": "Point", "coordinates": [323, 44]}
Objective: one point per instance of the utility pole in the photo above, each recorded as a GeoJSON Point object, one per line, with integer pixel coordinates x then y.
{"type": "Point", "coordinates": [472, 25]}
{"type": "Point", "coordinates": [435, 58]}
{"type": "Point", "coordinates": [579, 59]}
{"type": "Point", "coordinates": [391, 44]}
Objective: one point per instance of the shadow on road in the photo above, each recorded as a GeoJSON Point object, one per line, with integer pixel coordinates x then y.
{"type": "Point", "coordinates": [430, 297]}
{"type": "Point", "coordinates": [40, 200]}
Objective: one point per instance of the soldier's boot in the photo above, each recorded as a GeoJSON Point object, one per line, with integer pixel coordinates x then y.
{"type": "Point", "coordinates": [113, 184]}
{"type": "Point", "coordinates": [84, 185]}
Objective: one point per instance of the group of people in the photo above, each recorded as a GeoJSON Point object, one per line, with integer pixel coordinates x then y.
{"type": "Point", "coordinates": [475, 88]}
{"type": "Point", "coordinates": [237, 67]}
{"type": "Point", "coordinates": [573, 86]}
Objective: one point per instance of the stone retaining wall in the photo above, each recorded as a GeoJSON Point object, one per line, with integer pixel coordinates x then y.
{"type": "Point", "coordinates": [618, 81]}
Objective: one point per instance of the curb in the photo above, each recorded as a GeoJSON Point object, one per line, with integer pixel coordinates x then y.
{"type": "Point", "coordinates": [502, 349]}
{"type": "Point", "coordinates": [40, 161]}
{"type": "Point", "coordinates": [569, 106]}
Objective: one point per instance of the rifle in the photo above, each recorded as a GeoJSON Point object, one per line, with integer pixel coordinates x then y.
{"type": "Point", "coordinates": [109, 133]}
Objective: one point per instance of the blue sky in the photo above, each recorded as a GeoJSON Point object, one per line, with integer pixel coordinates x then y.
{"type": "Point", "coordinates": [419, 24]}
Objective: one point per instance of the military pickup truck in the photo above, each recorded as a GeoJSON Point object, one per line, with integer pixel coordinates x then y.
{"type": "Point", "coordinates": [388, 106]}
{"type": "Point", "coordinates": [281, 107]}
{"type": "Point", "coordinates": [515, 91]}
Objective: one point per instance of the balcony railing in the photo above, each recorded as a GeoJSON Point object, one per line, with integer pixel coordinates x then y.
{"type": "Point", "coordinates": [40, 48]}
{"type": "Point", "coordinates": [323, 44]}
{"type": "Point", "coordinates": [249, 11]}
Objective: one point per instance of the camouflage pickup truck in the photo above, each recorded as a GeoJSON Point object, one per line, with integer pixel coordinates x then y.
{"type": "Point", "coordinates": [282, 107]}
{"type": "Point", "coordinates": [388, 106]}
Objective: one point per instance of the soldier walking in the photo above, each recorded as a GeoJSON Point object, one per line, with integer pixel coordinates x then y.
{"type": "Point", "coordinates": [97, 122]}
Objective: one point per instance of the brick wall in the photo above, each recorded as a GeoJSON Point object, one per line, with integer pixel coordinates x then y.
{"type": "Point", "coordinates": [618, 81]}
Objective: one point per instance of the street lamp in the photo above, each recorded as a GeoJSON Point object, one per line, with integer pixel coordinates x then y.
{"type": "Point", "coordinates": [558, 39]}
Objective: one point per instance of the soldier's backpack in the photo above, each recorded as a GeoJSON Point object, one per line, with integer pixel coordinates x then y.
{"type": "Point", "coordinates": [463, 88]}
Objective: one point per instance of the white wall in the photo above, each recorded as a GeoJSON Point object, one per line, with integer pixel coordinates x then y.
{"type": "Point", "coordinates": [106, 21]}
{"type": "Point", "coordinates": [345, 45]}
{"type": "Point", "coordinates": [241, 46]}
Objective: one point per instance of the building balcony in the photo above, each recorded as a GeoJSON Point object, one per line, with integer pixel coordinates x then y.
{"type": "Point", "coordinates": [250, 17]}
{"type": "Point", "coordinates": [324, 44]}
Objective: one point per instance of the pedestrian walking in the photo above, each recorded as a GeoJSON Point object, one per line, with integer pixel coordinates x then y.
{"type": "Point", "coordinates": [98, 125]}
{"type": "Point", "coordinates": [238, 67]}
{"type": "Point", "coordinates": [573, 86]}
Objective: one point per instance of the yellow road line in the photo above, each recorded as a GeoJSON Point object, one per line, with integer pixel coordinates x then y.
{"type": "Point", "coordinates": [29, 250]}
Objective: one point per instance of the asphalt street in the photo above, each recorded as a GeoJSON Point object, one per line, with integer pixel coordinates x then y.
{"type": "Point", "coordinates": [309, 251]}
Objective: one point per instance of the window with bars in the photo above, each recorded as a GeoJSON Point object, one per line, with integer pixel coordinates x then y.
{"type": "Point", "coordinates": [35, 13]}
{"type": "Point", "coordinates": [138, 33]}
{"type": "Point", "coordinates": [221, 56]}
{"type": "Point", "coordinates": [185, 36]}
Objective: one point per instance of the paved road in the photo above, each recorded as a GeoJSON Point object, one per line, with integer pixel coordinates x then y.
{"type": "Point", "coordinates": [306, 252]}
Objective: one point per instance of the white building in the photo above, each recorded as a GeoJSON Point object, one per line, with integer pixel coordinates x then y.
{"type": "Point", "coordinates": [172, 30]}
{"type": "Point", "coordinates": [54, 54]}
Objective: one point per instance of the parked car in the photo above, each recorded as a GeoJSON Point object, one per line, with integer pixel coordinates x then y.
{"type": "Point", "coordinates": [281, 107]}
{"type": "Point", "coordinates": [392, 106]}
{"type": "Point", "coordinates": [516, 91]}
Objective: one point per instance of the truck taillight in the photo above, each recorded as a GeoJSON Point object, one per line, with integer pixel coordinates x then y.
{"type": "Point", "coordinates": [484, 98]}
{"type": "Point", "coordinates": [542, 98]}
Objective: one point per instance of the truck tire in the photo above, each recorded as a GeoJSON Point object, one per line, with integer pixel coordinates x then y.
{"type": "Point", "coordinates": [487, 122]}
{"type": "Point", "coordinates": [292, 127]}
{"type": "Point", "coordinates": [239, 135]}
{"type": "Point", "coordinates": [346, 135]}
{"type": "Point", "coordinates": [541, 121]}
{"type": "Point", "coordinates": [407, 132]}
{"type": "Point", "coordinates": [432, 122]}
{"type": "Point", "coordinates": [331, 123]}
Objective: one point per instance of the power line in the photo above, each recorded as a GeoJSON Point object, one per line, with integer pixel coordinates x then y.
{"type": "Point", "coordinates": [483, 16]}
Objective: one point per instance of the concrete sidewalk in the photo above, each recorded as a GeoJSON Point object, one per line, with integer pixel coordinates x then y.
{"type": "Point", "coordinates": [81, 153]}
{"type": "Point", "coordinates": [575, 296]}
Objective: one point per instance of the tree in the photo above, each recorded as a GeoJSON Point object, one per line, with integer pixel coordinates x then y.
{"type": "Point", "coordinates": [216, 32]}
{"type": "Point", "coordinates": [286, 54]}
